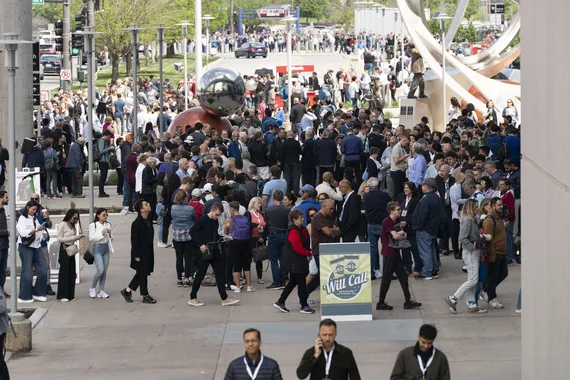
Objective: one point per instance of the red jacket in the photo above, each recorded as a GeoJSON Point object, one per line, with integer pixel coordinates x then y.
{"type": "Point", "coordinates": [509, 202]}
{"type": "Point", "coordinates": [199, 207]}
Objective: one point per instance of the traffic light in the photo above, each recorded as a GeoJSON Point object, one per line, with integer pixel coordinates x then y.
{"type": "Point", "coordinates": [59, 28]}
{"type": "Point", "coordinates": [77, 42]}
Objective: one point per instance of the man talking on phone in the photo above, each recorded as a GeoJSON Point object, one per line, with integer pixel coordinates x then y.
{"type": "Point", "coordinates": [328, 360]}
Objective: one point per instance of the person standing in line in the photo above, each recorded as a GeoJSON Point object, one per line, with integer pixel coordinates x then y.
{"type": "Point", "coordinates": [296, 262]}
{"type": "Point", "coordinates": [204, 234]}
{"type": "Point", "coordinates": [142, 253]}
{"type": "Point", "coordinates": [258, 232]}
{"type": "Point", "coordinates": [399, 164]}
{"type": "Point", "coordinates": [423, 360]}
{"type": "Point", "coordinates": [328, 359]}
{"type": "Point", "coordinates": [67, 236]}
{"type": "Point", "coordinates": [183, 218]}
{"type": "Point", "coordinates": [350, 214]}
{"type": "Point", "coordinates": [130, 170]}
{"type": "Point", "coordinates": [105, 145]}
{"type": "Point", "coordinates": [74, 164]}
{"type": "Point", "coordinates": [4, 329]}
{"type": "Point", "coordinates": [278, 225]}
{"type": "Point", "coordinates": [100, 236]}
{"type": "Point", "coordinates": [375, 203]}
{"type": "Point", "coordinates": [392, 231]}
{"type": "Point", "coordinates": [471, 242]}
{"type": "Point", "coordinates": [253, 365]}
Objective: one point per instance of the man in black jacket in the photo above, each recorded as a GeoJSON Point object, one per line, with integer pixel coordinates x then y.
{"type": "Point", "coordinates": [309, 158]}
{"type": "Point", "coordinates": [328, 359]}
{"type": "Point", "coordinates": [375, 203]}
{"type": "Point", "coordinates": [426, 220]}
{"type": "Point", "coordinates": [289, 157]}
{"type": "Point", "coordinates": [376, 139]}
{"type": "Point", "coordinates": [443, 183]}
{"type": "Point", "coordinates": [349, 217]}
{"type": "Point", "coordinates": [326, 153]}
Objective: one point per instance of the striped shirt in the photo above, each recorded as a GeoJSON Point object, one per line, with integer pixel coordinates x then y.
{"type": "Point", "coordinates": [269, 369]}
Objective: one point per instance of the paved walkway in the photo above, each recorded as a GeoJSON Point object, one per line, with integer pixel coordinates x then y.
{"type": "Point", "coordinates": [98, 339]}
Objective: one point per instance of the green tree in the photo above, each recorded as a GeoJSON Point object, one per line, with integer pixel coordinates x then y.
{"type": "Point", "coordinates": [468, 33]}
{"type": "Point", "coordinates": [50, 12]}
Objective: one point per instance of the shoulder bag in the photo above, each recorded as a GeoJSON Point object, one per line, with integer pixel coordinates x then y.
{"type": "Point", "coordinates": [28, 240]}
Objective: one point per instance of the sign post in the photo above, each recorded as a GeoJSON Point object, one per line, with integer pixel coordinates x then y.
{"type": "Point", "coordinates": [345, 272]}
{"type": "Point", "coordinates": [36, 99]}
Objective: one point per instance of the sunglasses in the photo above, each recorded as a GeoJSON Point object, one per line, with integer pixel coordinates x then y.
{"type": "Point", "coordinates": [35, 199]}
{"type": "Point", "coordinates": [322, 199]}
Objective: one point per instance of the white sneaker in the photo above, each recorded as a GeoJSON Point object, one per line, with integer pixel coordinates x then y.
{"type": "Point", "coordinates": [229, 301]}
{"type": "Point", "coordinates": [92, 293]}
{"type": "Point", "coordinates": [250, 289]}
{"type": "Point", "coordinates": [195, 302]}
{"type": "Point", "coordinates": [483, 296]}
{"type": "Point", "coordinates": [377, 273]}
{"type": "Point", "coordinates": [495, 304]}
{"type": "Point", "coordinates": [25, 301]}
{"type": "Point", "coordinates": [162, 245]}
{"type": "Point", "coordinates": [102, 294]}
{"type": "Point", "coordinates": [518, 311]}
{"type": "Point", "coordinates": [64, 300]}
{"type": "Point", "coordinates": [235, 287]}
{"type": "Point", "coordinates": [40, 298]}
{"type": "Point", "coordinates": [237, 290]}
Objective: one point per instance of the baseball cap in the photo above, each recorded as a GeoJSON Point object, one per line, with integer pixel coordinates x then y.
{"type": "Point", "coordinates": [425, 119]}
{"type": "Point", "coordinates": [306, 188]}
{"type": "Point", "coordinates": [196, 193]}
{"type": "Point", "coordinates": [208, 188]}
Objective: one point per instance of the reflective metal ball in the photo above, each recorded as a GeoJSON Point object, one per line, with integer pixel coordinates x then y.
{"type": "Point", "coordinates": [251, 85]}
{"type": "Point", "coordinates": [221, 91]}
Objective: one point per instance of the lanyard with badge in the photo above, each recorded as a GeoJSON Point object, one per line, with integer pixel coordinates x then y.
{"type": "Point", "coordinates": [254, 375]}
{"type": "Point", "coordinates": [328, 361]}
{"type": "Point", "coordinates": [421, 363]}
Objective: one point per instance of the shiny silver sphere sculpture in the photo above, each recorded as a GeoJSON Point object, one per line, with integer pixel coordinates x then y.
{"type": "Point", "coordinates": [221, 91]}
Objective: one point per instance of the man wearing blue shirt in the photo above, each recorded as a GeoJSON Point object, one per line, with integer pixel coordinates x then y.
{"type": "Point", "coordinates": [419, 165]}
{"type": "Point", "coordinates": [275, 183]}
{"type": "Point", "coordinates": [309, 195]}
{"type": "Point", "coordinates": [119, 113]}
{"type": "Point", "coordinates": [351, 147]}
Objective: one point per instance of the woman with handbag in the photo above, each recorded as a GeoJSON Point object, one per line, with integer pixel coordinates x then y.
{"type": "Point", "coordinates": [142, 253]}
{"type": "Point", "coordinates": [183, 218]}
{"type": "Point", "coordinates": [296, 263]}
{"type": "Point", "coordinates": [100, 236]}
{"type": "Point", "coordinates": [258, 229]}
{"type": "Point", "coordinates": [67, 236]}
{"type": "Point", "coordinates": [148, 188]}
{"type": "Point", "coordinates": [205, 236]}
{"type": "Point", "coordinates": [471, 240]}
{"type": "Point", "coordinates": [51, 166]}
{"type": "Point", "coordinates": [30, 235]}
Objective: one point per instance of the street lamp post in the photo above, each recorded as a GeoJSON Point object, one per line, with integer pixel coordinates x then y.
{"type": "Point", "coordinates": [441, 16]}
{"type": "Point", "coordinates": [289, 20]}
{"type": "Point", "coordinates": [395, 38]}
{"type": "Point", "coordinates": [134, 29]}
{"type": "Point", "coordinates": [207, 19]}
{"type": "Point", "coordinates": [184, 31]}
{"type": "Point", "coordinates": [198, 40]}
{"type": "Point", "coordinates": [160, 29]}
{"type": "Point", "coordinates": [11, 43]}
{"type": "Point", "coordinates": [88, 35]}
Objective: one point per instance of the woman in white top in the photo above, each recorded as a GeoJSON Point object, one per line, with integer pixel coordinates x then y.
{"type": "Point", "coordinates": [139, 173]}
{"type": "Point", "coordinates": [67, 236]}
{"type": "Point", "coordinates": [31, 255]}
{"type": "Point", "coordinates": [258, 225]}
{"type": "Point", "coordinates": [100, 236]}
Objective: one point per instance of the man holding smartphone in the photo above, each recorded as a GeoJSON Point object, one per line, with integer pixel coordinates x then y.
{"type": "Point", "coordinates": [328, 360]}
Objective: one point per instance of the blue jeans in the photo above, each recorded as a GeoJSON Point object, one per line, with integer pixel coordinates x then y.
{"type": "Point", "coordinates": [160, 219]}
{"type": "Point", "coordinates": [125, 187]}
{"type": "Point", "coordinates": [32, 257]}
{"type": "Point", "coordinates": [374, 231]}
{"type": "Point", "coordinates": [426, 248]}
{"type": "Point", "coordinates": [101, 255]}
{"type": "Point", "coordinates": [128, 122]}
{"type": "Point", "coordinates": [510, 242]}
{"type": "Point", "coordinates": [3, 266]}
{"type": "Point", "coordinates": [276, 248]}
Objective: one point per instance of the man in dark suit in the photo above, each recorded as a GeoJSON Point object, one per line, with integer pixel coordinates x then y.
{"type": "Point", "coordinates": [234, 149]}
{"type": "Point", "coordinates": [443, 183]}
{"type": "Point", "coordinates": [326, 153]}
{"type": "Point", "coordinates": [309, 158]}
{"type": "Point", "coordinates": [376, 139]}
{"type": "Point", "coordinates": [349, 216]}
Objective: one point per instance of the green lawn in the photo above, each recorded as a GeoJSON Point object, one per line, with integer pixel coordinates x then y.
{"type": "Point", "coordinates": [104, 75]}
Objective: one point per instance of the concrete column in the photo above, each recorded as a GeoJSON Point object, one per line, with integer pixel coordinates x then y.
{"type": "Point", "coordinates": [16, 17]}
{"type": "Point", "coordinates": [545, 196]}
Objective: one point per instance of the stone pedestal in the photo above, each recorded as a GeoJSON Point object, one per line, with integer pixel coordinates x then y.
{"type": "Point", "coordinates": [21, 341]}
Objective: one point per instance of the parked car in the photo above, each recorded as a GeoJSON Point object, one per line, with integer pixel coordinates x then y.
{"type": "Point", "coordinates": [251, 49]}
{"type": "Point", "coordinates": [51, 63]}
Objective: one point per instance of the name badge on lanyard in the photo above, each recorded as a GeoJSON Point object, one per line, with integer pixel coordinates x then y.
{"type": "Point", "coordinates": [328, 361]}
{"type": "Point", "coordinates": [254, 375]}
{"type": "Point", "coordinates": [421, 363]}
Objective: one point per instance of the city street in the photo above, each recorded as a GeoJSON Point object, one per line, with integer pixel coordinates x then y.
{"type": "Point", "coordinates": [99, 339]}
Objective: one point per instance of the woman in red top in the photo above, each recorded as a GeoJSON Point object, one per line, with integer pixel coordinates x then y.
{"type": "Point", "coordinates": [296, 262]}
{"type": "Point", "coordinates": [257, 232]}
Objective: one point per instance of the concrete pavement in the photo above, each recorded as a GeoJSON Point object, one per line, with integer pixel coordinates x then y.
{"type": "Point", "coordinates": [97, 339]}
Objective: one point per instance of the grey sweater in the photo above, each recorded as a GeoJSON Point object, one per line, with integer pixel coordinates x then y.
{"type": "Point", "coordinates": [468, 233]}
